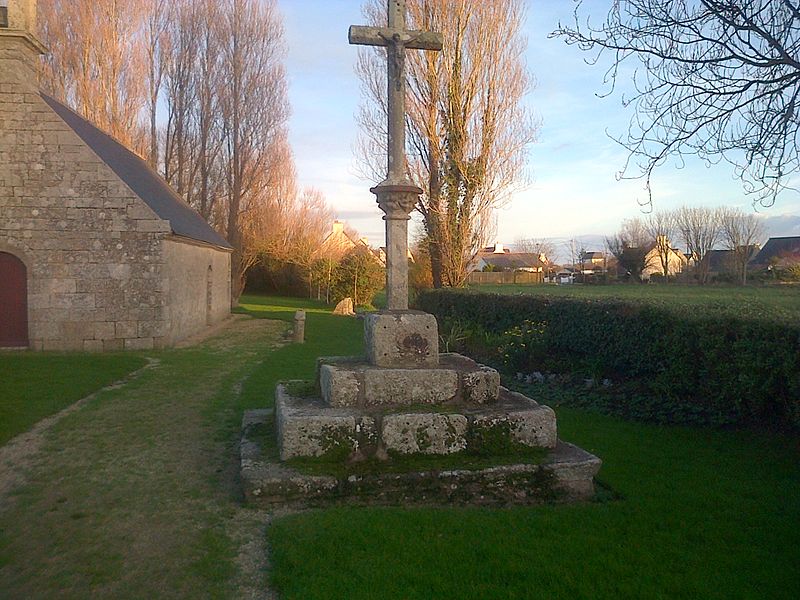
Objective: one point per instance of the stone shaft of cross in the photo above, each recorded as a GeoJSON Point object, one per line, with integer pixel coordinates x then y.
{"type": "Point", "coordinates": [396, 195]}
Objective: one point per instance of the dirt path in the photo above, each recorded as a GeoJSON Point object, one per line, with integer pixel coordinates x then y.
{"type": "Point", "coordinates": [132, 492]}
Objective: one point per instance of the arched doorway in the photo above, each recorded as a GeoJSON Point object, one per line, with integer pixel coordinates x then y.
{"type": "Point", "coordinates": [13, 302]}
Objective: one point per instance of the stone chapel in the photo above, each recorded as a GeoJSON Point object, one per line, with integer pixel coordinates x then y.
{"type": "Point", "coordinates": [97, 252]}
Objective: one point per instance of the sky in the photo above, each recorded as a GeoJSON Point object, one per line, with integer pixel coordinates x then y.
{"type": "Point", "coordinates": [572, 190]}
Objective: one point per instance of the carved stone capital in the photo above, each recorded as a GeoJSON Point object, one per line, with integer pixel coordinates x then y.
{"type": "Point", "coordinates": [397, 201]}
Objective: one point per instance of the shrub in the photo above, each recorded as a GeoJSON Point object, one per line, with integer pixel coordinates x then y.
{"type": "Point", "coordinates": [359, 276]}
{"type": "Point", "coordinates": [790, 272]}
{"type": "Point", "coordinates": [725, 364]}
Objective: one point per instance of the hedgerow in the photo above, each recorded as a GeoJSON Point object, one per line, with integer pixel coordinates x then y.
{"type": "Point", "coordinates": [716, 364]}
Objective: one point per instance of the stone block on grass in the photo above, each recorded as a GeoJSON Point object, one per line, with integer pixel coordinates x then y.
{"type": "Point", "coordinates": [307, 428]}
{"type": "Point", "coordinates": [339, 386]}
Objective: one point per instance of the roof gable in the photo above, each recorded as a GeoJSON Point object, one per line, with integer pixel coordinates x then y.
{"type": "Point", "coordinates": [140, 178]}
{"type": "Point", "coordinates": [778, 247]}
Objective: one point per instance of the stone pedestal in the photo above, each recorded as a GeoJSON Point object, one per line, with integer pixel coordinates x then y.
{"type": "Point", "coordinates": [309, 427]}
{"type": "Point", "coordinates": [407, 339]}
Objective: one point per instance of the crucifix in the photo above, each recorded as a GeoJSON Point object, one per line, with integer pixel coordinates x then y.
{"type": "Point", "coordinates": [396, 194]}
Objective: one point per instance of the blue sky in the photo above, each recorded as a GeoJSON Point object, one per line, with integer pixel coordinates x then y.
{"type": "Point", "coordinates": [573, 191]}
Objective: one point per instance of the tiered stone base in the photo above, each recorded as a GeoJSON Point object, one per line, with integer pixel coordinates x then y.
{"type": "Point", "coordinates": [376, 426]}
{"type": "Point", "coordinates": [309, 427]}
{"type": "Point", "coordinates": [564, 475]}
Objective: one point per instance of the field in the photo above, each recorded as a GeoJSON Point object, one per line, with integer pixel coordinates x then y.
{"type": "Point", "coordinates": [135, 495]}
{"type": "Point", "coordinates": [783, 297]}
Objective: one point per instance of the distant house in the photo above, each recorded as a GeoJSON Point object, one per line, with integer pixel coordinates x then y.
{"type": "Point", "coordinates": [720, 262]}
{"type": "Point", "coordinates": [565, 276]}
{"type": "Point", "coordinates": [338, 243]}
{"type": "Point", "coordinates": [723, 263]}
{"type": "Point", "coordinates": [677, 261]}
{"type": "Point", "coordinates": [593, 262]}
{"type": "Point", "coordinates": [500, 258]}
{"type": "Point", "coordinates": [778, 252]}
{"type": "Point", "coordinates": [380, 254]}
{"type": "Point", "coordinates": [595, 258]}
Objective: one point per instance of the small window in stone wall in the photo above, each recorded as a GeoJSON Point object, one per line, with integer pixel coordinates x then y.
{"type": "Point", "coordinates": [209, 294]}
{"type": "Point", "coordinates": [4, 13]}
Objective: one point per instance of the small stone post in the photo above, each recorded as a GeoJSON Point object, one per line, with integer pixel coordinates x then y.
{"type": "Point", "coordinates": [299, 336]}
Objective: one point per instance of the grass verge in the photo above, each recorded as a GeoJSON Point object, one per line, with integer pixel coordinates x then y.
{"type": "Point", "coordinates": [35, 386]}
{"type": "Point", "coordinates": [135, 494]}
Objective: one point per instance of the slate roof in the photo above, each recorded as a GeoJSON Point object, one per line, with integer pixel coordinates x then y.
{"type": "Point", "coordinates": [511, 261]}
{"type": "Point", "coordinates": [723, 260]}
{"type": "Point", "coordinates": [779, 248]}
{"type": "Point", "coordinates": [140, 178]}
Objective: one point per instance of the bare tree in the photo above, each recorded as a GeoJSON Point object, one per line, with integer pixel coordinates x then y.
{"type": "Point", "coordinates": [631, 247]}
{"type": "Point", "coordinates": [661, 227]}
{"type": "Point", "coordinates": [208, 80]}
{"type": "Point", "coordinates": [719, 79]}
{"type": "Point", "coordinates": [572, 251]}
{"type": "Point", "coordinates": [540, 246]}
{"type": "Point", "coordinates": [97, 62]}
{"type": "Point", "coordinates": [155, 37]}
{"type": "Point", "coordinates": [184, 34]}
{"type": "Point", "coordinates": [741, 233]}
{"type": "Point", "coordinates": [267, 223]}
{"type": "Point", "coordinates": [699, 229]}
{"type": "Point", "coordinates": [468, 130]}
{"type": "Point", "coordinates": [216, 70]}
{"type": "Point", "coordinates": [254, 112]}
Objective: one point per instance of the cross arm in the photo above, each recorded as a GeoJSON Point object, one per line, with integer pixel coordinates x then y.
{"type": "Point", "coordinates": [380, 36]}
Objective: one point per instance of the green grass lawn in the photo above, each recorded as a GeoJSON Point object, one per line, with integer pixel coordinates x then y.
{"type": "Point", "coordinates": [703, 514]}
{"type": "Point", "coordinates": [326, 335]}
{"type": "Point", "coordinates": [136, 496]}
{"type": "Point", "coordinates": [35, 386]}
{"type": "Point", "coordinates": [784, 297]}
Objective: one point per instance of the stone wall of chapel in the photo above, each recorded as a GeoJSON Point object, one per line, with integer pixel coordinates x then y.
{"type": "Point", "coordinates": [197, 285]}
{"type": "Point", "coordinates": [93, 249]}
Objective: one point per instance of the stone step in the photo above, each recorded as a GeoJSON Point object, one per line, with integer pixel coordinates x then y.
{"type": "Point", "coordinates": [311, 427]}
{"type": "Point", "coordinates": [566, 474]}
{"type": "Point", "coordinates": [344, 381]}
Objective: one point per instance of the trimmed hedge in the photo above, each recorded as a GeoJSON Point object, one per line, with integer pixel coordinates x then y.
{"type": "Point", "coordinates": [717, 364]}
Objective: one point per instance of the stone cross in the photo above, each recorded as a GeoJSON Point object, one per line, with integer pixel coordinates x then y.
{"type": "Point", "coordinates": [396, 195]}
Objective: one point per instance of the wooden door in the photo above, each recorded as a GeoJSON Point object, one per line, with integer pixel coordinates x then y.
{"type": "Point", "coordinates": [13, 302]}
